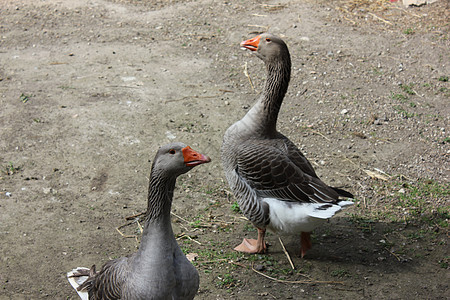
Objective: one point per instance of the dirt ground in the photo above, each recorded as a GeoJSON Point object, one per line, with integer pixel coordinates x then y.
{"type": "Point", "coordinates": [91, 88]}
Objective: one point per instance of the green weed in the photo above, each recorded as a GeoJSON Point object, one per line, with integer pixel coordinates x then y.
{"type": "Point", "coordinates": [416, 200]}
{"type": "Point", "coordinates": [399, 97]}
{"type": "Point", "coordinates": [377, 71]}
{"type": "Point", "coordinates": [444, 262]}
{"type": "Point", "coordinates": [235, 207]}
{"type": "Point", "coordinates": [340, 273]}
{"type": "Point", "coordinates": [408, 31]}
{"type": "Point", "coordinates": [249, 227]}
{"type": "Point", "coordinates": [444, 90]}
{"type": "Point", "coordinates": [25, 98]}
{"type": "Point", "coordinates": [363, 223]}
{"type": "Point", "coordinates": [404, 113]}
{"type": "Point", "coordinates": [227, 281]}
{"type": "Point", "coordinates": [408, 88]}
{"type": "Point", "coordinates": [196, 224]}
{"type": "Point", "coordinates": [10, 169]}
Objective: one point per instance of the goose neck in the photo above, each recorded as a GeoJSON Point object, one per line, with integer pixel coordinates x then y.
{"type": "Point", "coordinates": [277, 82]}
{"type": "Point", "coordinates": [275, 88]}
{"type": "Point", "coordinates": [160, 194]}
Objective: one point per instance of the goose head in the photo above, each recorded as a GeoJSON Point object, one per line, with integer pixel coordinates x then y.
{"type": "Point", "coordinates": [178, 158]}
{"type": "Point", "coordinates": [267, 47]}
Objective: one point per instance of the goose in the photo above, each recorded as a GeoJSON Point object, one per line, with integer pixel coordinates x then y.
{"type": "Point", "coordinates": [275, 186]}
{"type": "Point", "coordinates": [159, 269]}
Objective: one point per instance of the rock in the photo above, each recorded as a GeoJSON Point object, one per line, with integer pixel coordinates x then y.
{"type": "Point", "coordinates": [259, 268]}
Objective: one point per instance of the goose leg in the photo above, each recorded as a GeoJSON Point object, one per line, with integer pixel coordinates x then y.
{"type": "Point", "coordinates": [253, 246]}
{"type": "Point", "coordinates": [306, 242]}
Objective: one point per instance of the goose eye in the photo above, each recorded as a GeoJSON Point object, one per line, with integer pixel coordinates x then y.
{"type": "Point", "coordinates": [172, 151]}
{"type": "Point", "coordinates": [268, 40]}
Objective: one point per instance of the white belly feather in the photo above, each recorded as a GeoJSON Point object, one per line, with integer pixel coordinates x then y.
{"type": "Point", "coordinates": [293, 218]}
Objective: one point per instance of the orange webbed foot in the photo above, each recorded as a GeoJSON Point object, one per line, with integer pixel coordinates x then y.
{"type": "Point", "coordinates": [251, 246]}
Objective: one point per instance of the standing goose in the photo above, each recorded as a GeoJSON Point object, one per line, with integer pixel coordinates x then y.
{"type": "Point", "coordinates": [159, 269]}
{"type": "Point", "coordinates": [275, 185]}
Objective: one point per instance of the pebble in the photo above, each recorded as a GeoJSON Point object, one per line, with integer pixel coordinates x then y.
{"type": "Point", "coordinates": [344, 111]}
{"type": "Point", "coordinates": [259, 267]}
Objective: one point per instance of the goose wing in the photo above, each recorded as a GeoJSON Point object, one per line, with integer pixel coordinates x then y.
{"type": "Point", "coordinates": [276, 169]}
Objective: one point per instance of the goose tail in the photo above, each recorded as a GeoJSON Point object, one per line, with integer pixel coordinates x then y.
{"type": "Point", "coordinates": [76, 280]}
{"type": "Point", "coordinates": [343, 193]}
{"type": "Point", "coordinates": [345, 203]}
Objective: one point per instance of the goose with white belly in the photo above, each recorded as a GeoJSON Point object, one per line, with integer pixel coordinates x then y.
{"type": "Point", "coordinates": [275, 185]}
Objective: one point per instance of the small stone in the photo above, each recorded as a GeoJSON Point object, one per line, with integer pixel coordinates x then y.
{"type": "Point", "coordinates": [259, 267]}
{"type": "Point", "coordinates": [344, 111]}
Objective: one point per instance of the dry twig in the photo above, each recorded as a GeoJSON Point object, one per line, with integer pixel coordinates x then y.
{"type": "Point", "coordinates": [287, 254]}
{"type": "Point", "coordinates": [296, 281]}
{"type": "Point", "coordinates": [321, 134]}
{"type": "Point", "coordinates": [127, 235]}
{"type": "Point", "coordinates": [174, 214]}
{"type": "Point", "coordinates": [134, 216]}
{"type": "Point", "coordinates": [376, 175]}
{"type": "Point", "coordinates": [195, 97]}
{"type": "Point", "coordinates": [248, 76]}
{"type": "Point", "coordinates": [381, 19]}
{"type": "Point", "coordinates": [184, 235]}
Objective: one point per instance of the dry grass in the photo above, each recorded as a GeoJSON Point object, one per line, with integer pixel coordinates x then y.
{"type": "Point", "coordinates": [427, 18]}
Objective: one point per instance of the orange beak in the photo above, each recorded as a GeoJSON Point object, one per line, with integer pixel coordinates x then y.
{"type": "Point", "coordinates": [251, 44]}
{"type": "Point", "coordinates": [193, 158]}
